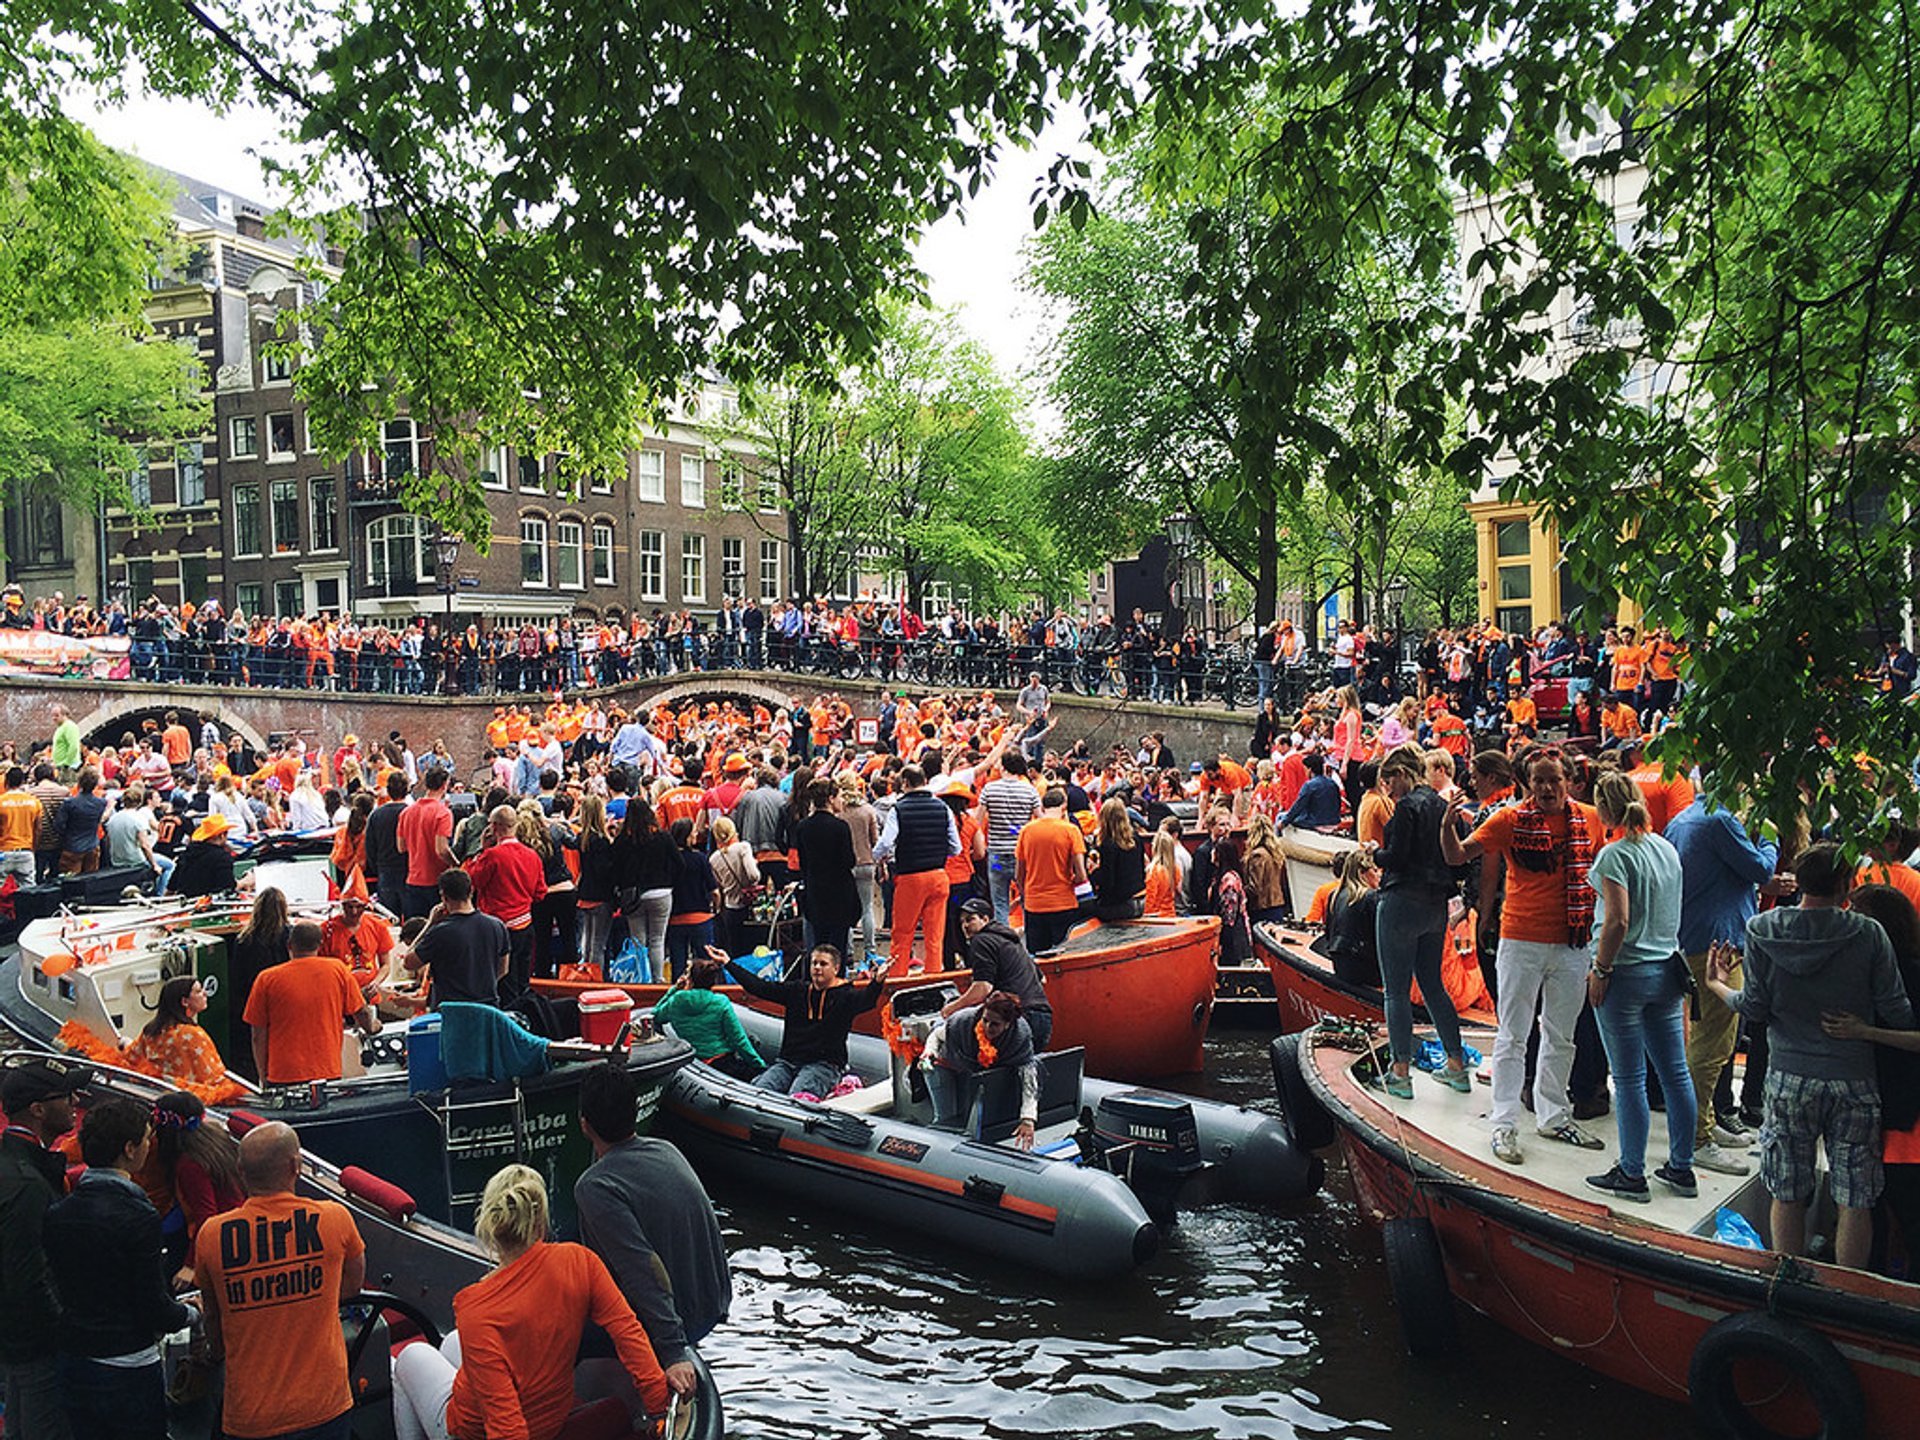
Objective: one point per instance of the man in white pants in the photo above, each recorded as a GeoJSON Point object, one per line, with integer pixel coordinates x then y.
{"type": "Point", "coordinates": [1546, 927]}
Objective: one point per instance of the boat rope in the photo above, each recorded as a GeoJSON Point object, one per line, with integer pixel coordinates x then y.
{"type": "Point", "coordinates": [1559, 1342]}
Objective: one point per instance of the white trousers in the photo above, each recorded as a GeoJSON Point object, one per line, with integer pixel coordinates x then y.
{"type": "Point", "coordinates": [1554, 977]}
{"type": "Point", "coordinates": [422, 1387]}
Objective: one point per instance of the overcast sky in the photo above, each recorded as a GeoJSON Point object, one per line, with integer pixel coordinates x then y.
{"type": "Point", "coordinates": [972, 265]}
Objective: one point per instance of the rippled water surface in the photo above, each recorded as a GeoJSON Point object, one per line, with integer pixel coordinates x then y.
{"type": "Point", "coordinates": [1249, 1323]}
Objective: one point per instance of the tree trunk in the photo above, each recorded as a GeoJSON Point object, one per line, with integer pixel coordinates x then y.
{"type": "Point", "coordinates": [797, 550]}
{"type": "Point", "coordinates": [1266, 589]}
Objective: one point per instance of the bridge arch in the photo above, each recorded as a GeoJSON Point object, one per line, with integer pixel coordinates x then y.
{"type": "Point", "coordinates": [715, 685]}
{"type": "Point", "coordinates": [116, 714]}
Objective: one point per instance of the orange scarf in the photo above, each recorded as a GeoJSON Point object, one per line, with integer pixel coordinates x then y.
{"type": "Point", "coordinates": [989, 1052]}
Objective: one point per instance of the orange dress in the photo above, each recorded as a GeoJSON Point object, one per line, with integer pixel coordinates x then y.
{"type": "Point", "coordinates": [187, 1059]}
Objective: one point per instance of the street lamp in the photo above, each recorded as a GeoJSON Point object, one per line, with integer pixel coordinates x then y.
{"type": "Point", "coordinates": [446, 552]}
{"type": "Point", "coordinates": [1182, 537]}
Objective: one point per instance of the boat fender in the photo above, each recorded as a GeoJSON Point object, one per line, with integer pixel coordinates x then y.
{"type": "Point", "coordinates": [385, 1196]}
{"type": "Point", "coordinates": [241, 1121]}
{"type": "Point", "coordinates": [1307, 1119]}
{"type": "Point", "coordinates": [1417, 1274]}
{"type": "Point", "coordinates": [1805, 1355]}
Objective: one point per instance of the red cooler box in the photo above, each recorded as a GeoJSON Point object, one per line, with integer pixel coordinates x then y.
{"type": "Point", "coordinates": [602, 1013]}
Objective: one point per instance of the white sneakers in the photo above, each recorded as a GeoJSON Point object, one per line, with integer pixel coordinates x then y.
{"type": "Point", "coordinates": [1711, 1157]}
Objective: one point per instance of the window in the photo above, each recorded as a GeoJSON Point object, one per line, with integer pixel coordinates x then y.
{"type": "Point", "coordinates": [769, 569]}
{"type": "Point", "coordinates": [193, 578]}
{"type": "Point", "coordinates": [653, 565]}
{"type": "Point", "coordinates": [769, 494]}
{"type": "Point", "coordinates": [731, 496]}
{"type": "Point", "coordinates": [246, 520]}
{"type": "Point", "coordinates": [653, 476]}
{"type": "Point", "coordinates": [1512, 539]}
{"type": "Point", "coordinates": [693, 482]}
{"type": "Point", "coordinates": [569, 543]}
{"type": "Point", "coordinates": [190, 464]}
{"type": "Point", "coordinates": [533, 552]}
{"type": "Point", "coordinates": [400, 448]}
{"type": "Point", "coordinates": [602, 553]}
{"type": "Point", "coordinates": [247, 597]}
{"type": "Point", "coordinates": [140, 483]}
{"type": "Point", "coordinates": [530, 477]}
{"type": "Point", "coordinates": [324, 519]}
{"type": "Point", "coordinates": [693, 569]}
{"type": "Point", "coordinates": [1515, 619]}
{"type": "Point", "coordinates": [275, 367]}
{"type": "Point", "coordinates": [37, 532]}
{"type": "Point", "coordinates": [326, 595]}
{"type": "Point", "coordinates": [286, 598]}
{"type": "Point", "coordinates": [494, 475]}
{"type": "Point", "coordinates": [139, 580]}
{"type": "Point", "coordinates": [282, 439]}
{"type": "Point", "coordinates": [733, 566]}
{"type": "Point", "coordinates": [395, 555]}
{"type": "Point", "coordinates": [602, 483]}
{"type": "Point", "coordinates": [1516, 582]}
{"type": "Point", "coordinates": [244, 433]}
{"type": "Point", "coordinates": [286, 516]}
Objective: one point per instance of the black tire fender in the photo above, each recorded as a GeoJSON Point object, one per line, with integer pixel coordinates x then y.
{"type": "Point", "coordinates": [1417, 1274]}
{"type": "Point", "coordinates": [1806, 1354]}
{"type": "Point", "coordinates": [1306, 1118]}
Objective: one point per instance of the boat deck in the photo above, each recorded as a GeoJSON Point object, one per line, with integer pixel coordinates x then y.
{"type": "Point", "coordinates": [1460, 1122]}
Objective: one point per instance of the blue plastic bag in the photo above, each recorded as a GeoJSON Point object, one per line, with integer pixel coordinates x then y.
{"type": "Point", "coordinates": [1432, 1058]}
{"type": "Point", "coordinates": [1730, 1227]}
{"type": "Point", "coordinates": [629, 967]}
{"type": "Point", "coordinates": [768, 966]}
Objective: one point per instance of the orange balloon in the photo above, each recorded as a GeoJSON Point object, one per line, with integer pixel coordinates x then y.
{"type": "Point", "coordinates": [58, 964]}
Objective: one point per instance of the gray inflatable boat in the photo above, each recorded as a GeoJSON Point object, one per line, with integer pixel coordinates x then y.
{"type": "Point", "coordinates": [1112, 1164]}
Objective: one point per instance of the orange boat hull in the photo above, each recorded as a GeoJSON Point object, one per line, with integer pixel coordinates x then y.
{"type": "Point", "coordinates": [1137, 996]}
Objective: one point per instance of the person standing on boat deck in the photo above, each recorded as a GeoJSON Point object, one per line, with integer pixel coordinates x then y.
{"type": "Point", "coordinates": [296, 1009]}
{"type": "Point", "coordinates": [819, 1016]}
{"type": "Point", "coordinates": [1411, 919]}
{"type": "Point", "coordinates": [425, 836]}
{"type": "Point", "coordinates": [464, 951]}
{"type": "Point", "coordinates": [1636, 991]}
{"type": "Point", "coordinates": [988, 1036]}
{"type": "Point", "coordinates": [272, 1274]}
{"type": "Point", "coordinates": [999, 961]}
{"type": "Point", "coordinates": [1050, 864]}
{"type": "Point", "coordinates": [1804, 962]}
{"type": "Point", "coordinates": [645, 1214]}
{"type": "Point", "coordinates": [508, 881]}
{"type": "Point", "coordinates": [916, 838]}
{"type": "Point", "coordinates": [386, 861]}
{"type": "Point", "coordinates": [1546, 925]}
{"type": "Point", "coordinates": [356, 936]}
{"type": "Point", "coordinates": [38, 1099]}
{"type": "Point", "coordinates": [19, 821]}
{"type": "Point", "coordinates": [66, 745]}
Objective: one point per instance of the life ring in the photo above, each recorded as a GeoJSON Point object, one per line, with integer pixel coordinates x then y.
{"type": "Point", "coordinates": [1307, 1119]}
{"type": "Point", "coordinates": [1417, 1274]}
{"type": "Point", "coordinates": [1806, 1355]}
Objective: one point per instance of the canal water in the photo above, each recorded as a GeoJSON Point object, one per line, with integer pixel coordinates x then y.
{"type": "Point", "coordinates": [1249, 1323]}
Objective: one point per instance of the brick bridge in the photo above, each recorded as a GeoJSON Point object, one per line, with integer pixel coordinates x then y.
{"type": "Point", "coordinates": [105, 710]}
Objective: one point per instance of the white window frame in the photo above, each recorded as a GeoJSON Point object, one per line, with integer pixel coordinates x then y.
{"type": "Point", "coordinates": [693, 482]}
{"type": "Point", "coordinates": [733, 494]}
{"type": "Point", "coordinates": [601, 533]}
{"type": "Point", "coordinates": [496, 466]}
{"type": "Point", "coordinates": [332, 514]}
{"type": "Point", "coordinates": [769, 497]}
{"type": "Point", "coordinates": [391, 435]}
{"type": "Point", "coordinates": [260, 521]}
{"type": "Point", "coordinates": [386, 530]}
{"type": "Point", "coordinates": [189, 456]}
{"type": "Point", "coordinates": [248, 449]}
{"type": "Point", "coordinates": [578, 546]}
{"type": "Point", "coordinates": [733, 551]}
{"type": "Point", "coordinates": [274, 369]}
{"type": "Point", "coordinates": [650, 483]}
{"type": "Point", "coordinates": [693, 566]}
{"type": "Point", "coordinates": [650, 566]}
{"type": "Point", "coordinates": [292, 545]}
{"type": "Point", "coordinates": [277, 456]}
{"type": "Point", "coordinates": [533, 531]}
{"type": "Point", "coordinates": [770, 566]}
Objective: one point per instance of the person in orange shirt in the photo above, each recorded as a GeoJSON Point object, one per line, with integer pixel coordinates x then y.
{"type": "Point", "coordinates": [1050, 866]}
{"type": "Point", "coordinates": [1222, 779]}
{"type": "Point", "coordinates": [1523, 719]}
{"type": "Point", "coordinates": [176, 742]}
{"type": "Point", "coordinates": [295, 1009]}
{"type": "Point", "coordinates": [1619, 724]}
{"type": "Point", "coordinates": [1629, 667]}
{"type": "Point", "coordinates": [1885, 863]}
{"type": "Point", "coordinates": [357, 937]}
{"type": "Point", "coordinates": [1376, 807]}
{"type": "Point", "coordinates": [1666, 796]}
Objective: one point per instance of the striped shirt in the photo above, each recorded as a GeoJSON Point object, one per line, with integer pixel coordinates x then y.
{"type": "Point", "coordinates": [1010, 803]}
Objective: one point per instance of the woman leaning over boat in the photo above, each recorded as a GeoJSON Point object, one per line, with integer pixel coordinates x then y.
{"type": "Point", "coordinates": [1636, 989]}
{"type": "Point", "coordinates": [1411, 923]}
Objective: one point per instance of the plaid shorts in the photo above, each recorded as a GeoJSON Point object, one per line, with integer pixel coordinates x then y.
{"type": "Point", "coordinates": [1799, 1112]}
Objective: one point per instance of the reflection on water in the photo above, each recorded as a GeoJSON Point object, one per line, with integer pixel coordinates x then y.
{"type": "Point", "coordinates": [1249, 1323]}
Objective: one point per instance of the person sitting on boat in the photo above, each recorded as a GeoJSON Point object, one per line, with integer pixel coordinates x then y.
{"type": "Point", "coordinates": [1802, 963]}
{"type": "Point", "coordinates": [708, 1021]}
{"type": "Point", "coordinates": [1000, 962]}
{"type": "Point", "coordinates": [819, 1016]}
{"type": "Point", "coordinates": [173, 1046]}
{"type": "Point", "coordinates": [507, 1367]}
{"type": "Point", "coordinates": [205, 866]}
{"type": "Point", "coordinates": [646, 1215]}
{"type": "Point", "coordinates": [358, 937]}
{"type": "Point", "coordinates": [295, 1012]}
{"type": "Point", "coordinates": [1317, 806]}
{"type": "Point", "coordinates": [1351, 939]}
{"type": "Point", "coordinates": [990, 1035]}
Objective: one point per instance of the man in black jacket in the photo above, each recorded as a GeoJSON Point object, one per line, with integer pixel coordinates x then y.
{"type": "Point", "coordinates": [999, 960]}
{"type": "Point", "coordinates": [644, 1212]}
{"type": "Point", "coordinates": [819, 1015]}
{"type": "Point", "coordinates": [385, 863]}
{"type": "Point", "coordinates": [103, 1244]}
{"type": "Point", "coordinates": [37, 1096]}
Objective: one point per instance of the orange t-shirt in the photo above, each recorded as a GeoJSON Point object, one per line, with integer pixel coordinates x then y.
{"type": "Point", "coordinates": [497, 733]}
{"type": "Point", "coordinates": [1665, 798]}
{"type": "Point", "coordinates": [1621, 722]}
{"type": "Point", "coordinates": [682, 802]}
{"type": "Point", "coordinates": [362, 949]}
{"type": "Point", "coordinates": [19, 820]}
{"type": "Point", "coordinates": [1660, 661]}
{"type": "Point", "coordinates": [301, 1003]}
{"type": "Point", "coordinates": [273, 1267]}
{"type": "Point", "coordinates": [1323, 897]}
{"type": "Point", "coordinates": [1522, 711]}
{"type": "Point", "coordinates": [1160, 888]}
{"type": "Point", "coordinates": [960, 867]}
{"type": "Point", "coordinates": [419, 823]}
{"type": "Point", "coordinates": [1045, 852]}
{"type": "Point", "coordinates": [520, 1333]}
{"type": "Point", "coordinates": [1371, 826]}
{"type": "Point", "coordinates": [1536, 904]}
{"type": "Point", "coordinates": [1628, 661]}
{"type": "Point", "coordinates": [177, 743]}
{"type": "Point", "coordinates": [1902, 877]}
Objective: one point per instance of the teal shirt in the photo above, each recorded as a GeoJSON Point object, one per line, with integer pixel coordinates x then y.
{"type": "Point", "coordinates": [707, 1022]}
{"type": "Point", "coordinates": [1649, 870]}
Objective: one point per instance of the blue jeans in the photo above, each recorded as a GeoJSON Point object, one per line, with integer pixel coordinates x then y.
{"type": "Point", "coordinates": [817, 1077]}
{"type": "Point", "coordinates": [1640, 1022]}
{"type": "Point", "coordinates": [163, 868]}
{"type": "Point", "coordinates": [685, 943]}
{"type": "Point", "coordinates": [34, 1391]}
{"type": "Point", "coordinates": [1410, 929]}
{"type": "Point", "coordinates": [105, 1402]}
{"type": "Point", "coordinates": [1000, 885]}
{"type": "Point", "coordinates": [1264, 670]}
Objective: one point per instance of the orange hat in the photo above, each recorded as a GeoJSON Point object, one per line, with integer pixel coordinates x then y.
{"type": "Point", "coordinates": [954, 785]}
{"type": "Point", "coordinates": [211, 828]}
{"type": "Point", "coordinates": [737, 764]}
{"type": "Point", "coordinates": [356, 887]}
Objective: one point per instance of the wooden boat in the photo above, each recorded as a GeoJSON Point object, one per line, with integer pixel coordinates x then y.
{"type": "Point", "coordinates": [1111, 1163]}
{"type": "Point", "coordinates": [1307, 991]}
{"type": "Point", "coordinates": [1760, 1344]}
{"type": "Point", "coordinates": [95, 978]}
{"type": "Point", "coordinates": [1311, 856]}
{"type": "Point", "coordinates": [1136, 996]}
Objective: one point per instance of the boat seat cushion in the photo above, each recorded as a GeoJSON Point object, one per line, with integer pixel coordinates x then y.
{"type": "Point", "coordinates": [993, 1096]}
{"type": "Point", "coordinates": [867, 1100]}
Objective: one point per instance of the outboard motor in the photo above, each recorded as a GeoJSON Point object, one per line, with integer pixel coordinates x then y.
{"type": "Point", "coordinates": [915, 1012]}
{"type": "Point", "coordinates": [1152, 1142]}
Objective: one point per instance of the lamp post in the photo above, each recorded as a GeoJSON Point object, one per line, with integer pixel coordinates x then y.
{"type": "Point", "coordinates": [446, 552]}
{"type": "Point", "coordinates": [1181, 535]}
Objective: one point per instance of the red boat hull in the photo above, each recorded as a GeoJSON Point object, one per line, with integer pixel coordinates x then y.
{"type": "Point", "coordinates": [1307, 991]}
{"type": "Point", "coordinates": [1138, 996]}
{"type": "Point", "coordinates": [1630, 1301]}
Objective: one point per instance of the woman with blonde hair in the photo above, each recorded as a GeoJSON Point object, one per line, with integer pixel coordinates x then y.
{"type": "Point", "coordinates": [1351, 941]}
{"type": "Point", "coordinates": [1266, 867]}
{"type": "Point", "coordinates": [736, 873]}
{"type": "Point", "coordinates": [306, 808]}
{"type": "Point", "coordinates": [1163, 874]}
{"type": "Point", "coordinates": [507, 1367]}
{"type": "Point", "coordinates": [1120, 872]}
{"type": "Point", "coordinates": [863, 822]}
{"type": "Point", "coordinates": [1349, 745]}
{"type": "Point", "coordinates": [228, 801]}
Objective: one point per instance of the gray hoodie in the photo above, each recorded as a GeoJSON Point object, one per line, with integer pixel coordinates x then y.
{"type": "Point", "coordinates": [1800, 963]}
